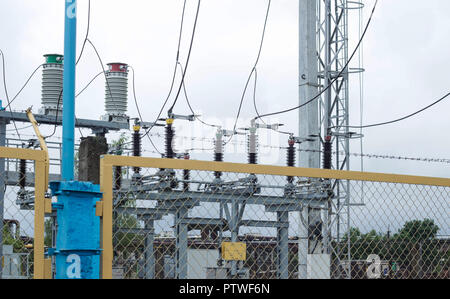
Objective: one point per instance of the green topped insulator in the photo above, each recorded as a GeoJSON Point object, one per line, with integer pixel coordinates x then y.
{"type": "Point", "coordinates": [54, 59]}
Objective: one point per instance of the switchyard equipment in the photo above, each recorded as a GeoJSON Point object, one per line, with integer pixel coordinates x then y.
{"type": "Point", "coordinates": [175, 195]}
{"type": "Point", "coordinates": [130, 206]}
{"type": "Point", "coordinates": [52, 85]}
{"type": "Point", "coordinates": [116, 93]}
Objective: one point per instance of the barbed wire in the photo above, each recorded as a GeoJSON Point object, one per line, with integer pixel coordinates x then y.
{"type": "Point", "coordinates": [342, 153]}
{"type": "Point", "coordinates": [265, 146]}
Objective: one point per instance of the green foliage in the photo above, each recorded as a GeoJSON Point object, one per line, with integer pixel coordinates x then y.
{"type": "Point", "coordinates": [416, 231]}
{"type": "Point", "coordinates": [9, 239]}
{"type": "Point", "coordinates": [118, 144]}
{"type": "Point", "coordinates": [416, 239]}
{"type": "Point", "coordinates": [48, 233]}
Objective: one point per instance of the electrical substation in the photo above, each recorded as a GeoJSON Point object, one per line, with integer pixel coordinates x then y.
{"type": "Point", "coordinates": [98, 208]}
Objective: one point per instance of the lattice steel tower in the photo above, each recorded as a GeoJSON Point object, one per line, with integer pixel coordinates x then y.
{"type": "Point", "coordinates": [324, 53]}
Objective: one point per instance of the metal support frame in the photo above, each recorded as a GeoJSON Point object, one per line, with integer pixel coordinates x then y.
{"type": "Point", "coordinates": [94, 125]}
{"type": "Point", "coordinates": [333, 47]}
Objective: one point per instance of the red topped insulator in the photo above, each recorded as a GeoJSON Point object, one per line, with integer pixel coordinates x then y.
{"type": "Point", "coordinates": [118, 67]}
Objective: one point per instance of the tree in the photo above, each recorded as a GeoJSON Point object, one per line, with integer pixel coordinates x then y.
{"type": "Point", "coordinates": [414, 247]}
{"type": "Point", "coordinates": [417, 231]}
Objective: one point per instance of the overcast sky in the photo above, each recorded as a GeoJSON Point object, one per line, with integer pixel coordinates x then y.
{"type": "Point", "coordinates": [405, 57]}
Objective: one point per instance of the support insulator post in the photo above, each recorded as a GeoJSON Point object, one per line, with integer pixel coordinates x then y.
{"type": "Point", "coordinates": [137, 147]}
{"type": "Point", "coordinates": [218, 153]}
{"type": "Point", "coordinates": [327, 153]}
{"type": "Point", "coordinates": [23, 174]}
{"type": "Point", "coordinates": [170, 135]}
{"type": "Point", "coordinates": [291, 157]}
{"type": "Point", "coordinates": [253, 146]}
{"type": "Point", "coordinates": [186, 174]}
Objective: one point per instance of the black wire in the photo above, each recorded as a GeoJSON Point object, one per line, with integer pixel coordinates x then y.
{"type": "Point", "coordinates": [87, 32]}
{"type": "Point", "coordinates": [256, 107]}
{"type": "Point", "coordinates": [188, 57]}
{"type": "Point", "coordinates": [139, 111]}
{"type": "Point", "coordinates": [174, 71]}
{"type": "Point", "coordinates": [59, 101]}
{"type": "Point", "coordinates": [23, 87]}
{"type": "Point", "coordinates": [90, 82]}
{"type": "Point", "coordinates": [189, 104]}
{"type": "Point", "coordinates": [400, 119]}
{"type": "Point", "coordinates": [6, 91]}
{"type": "Point", "coordinates": [56, 117]}
{"type": "Point", "coordinates": [334, 80]}
{"type": "Point", "coordinates": [103, 68]}
{"type": "Point", "coordinates": [252, 71]}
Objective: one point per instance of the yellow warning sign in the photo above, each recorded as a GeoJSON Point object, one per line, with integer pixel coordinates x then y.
{"type": "Point", "coordinates": [234, 251]}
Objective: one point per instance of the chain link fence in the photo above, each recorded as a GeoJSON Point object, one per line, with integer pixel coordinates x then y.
{"type": "Point", "coordinates": [223, 223]}
{"type": "Point", "coordinates": [17, 211]}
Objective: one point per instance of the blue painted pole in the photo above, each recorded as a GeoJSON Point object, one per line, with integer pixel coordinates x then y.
{"type": "Point", "coordinates": [70, 47]}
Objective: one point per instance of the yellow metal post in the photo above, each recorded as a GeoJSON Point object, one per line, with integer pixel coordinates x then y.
{"type": "Point", "coordinates": [41, 173]}
{"type": "Point", "coordinates": [39, 219]}
{"type": "Point", "coordinates": [106, 187]}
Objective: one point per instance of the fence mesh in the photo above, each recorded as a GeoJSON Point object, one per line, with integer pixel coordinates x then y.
{"type": "Point", "coordinates": [170, 224]}
{"type": "Point", "coordinates": [17, 214]}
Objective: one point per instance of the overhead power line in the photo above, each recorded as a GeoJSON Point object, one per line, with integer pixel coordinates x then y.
{"type": "Point", "coordinates": [189, 104]}
{"type": "Point", "coordinates": [253, 71]}
{"type": "Point", "coordinates": [188, 57]}
{"type": "Point", "coordinates": [23, 87]}
{"type": "Point", "coordinates": [344, 69]}
{"type": "Point", "coordinates": [87, 32]}
{"type": "Point", "coordinates": [139, 110]}
{"type": "Point", "coordinates": [403, 118]}
{"type": "Point", "coordinates": [6, 90]}
{"type": "Point", "coordinates": [177, 60]}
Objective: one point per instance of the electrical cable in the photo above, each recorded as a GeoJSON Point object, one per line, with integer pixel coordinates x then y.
{"type": "Point", "coordinates": [189, 104]}
{"type": "Point", "coordinates": [102, 65]}
{"type": "Point", "coordinates": [87, 32]}
{"type": "Point", "coordinates": [400, 119]}
{"type": "Point", "coordinates": [252, 71]}
{"type": "Point", "coordinates": [23, 87]}
{"type": "Point", "coordinates": [139, 111]}
{"type": "Point", "coordinates": [6, 91]}
{"type": "Point", "coordinates": [256, 107]}
{"type": "Point", "coordinates": [188, 57]}
{"type": "Point", "coordinates": [56, 117]}
{"type": "Point", "coordinates": [337, 77]}
{"type": "Point", "coordinates": [90, 82]}
{"type": "Point", "coordinates": [174, 72]}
